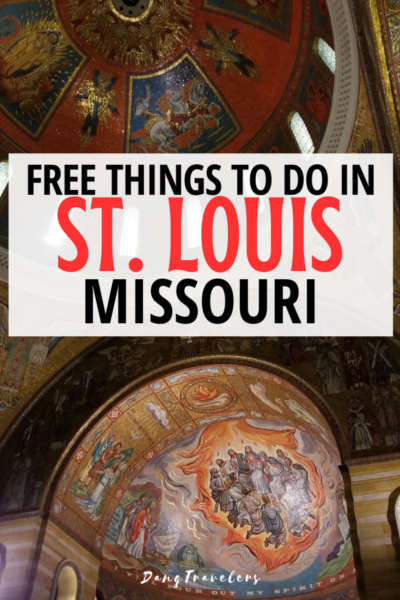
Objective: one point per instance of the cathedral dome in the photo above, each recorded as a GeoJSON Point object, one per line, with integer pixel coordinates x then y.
{"type": "Point", "coordinates": [154, 76]}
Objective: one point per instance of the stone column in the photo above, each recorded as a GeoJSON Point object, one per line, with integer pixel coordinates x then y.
{"type": "Point", "coordinates": [19, 540]}
{"type": "Point", "coordinates": [376, 488]}
{"type": "Point", "coordinates": [33, 549]}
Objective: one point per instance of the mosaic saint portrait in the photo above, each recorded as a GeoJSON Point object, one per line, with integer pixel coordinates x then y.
{"type": "Point", "coordinates": [177, 110]}
{"type": "Point", "coordinates": [37, 64]}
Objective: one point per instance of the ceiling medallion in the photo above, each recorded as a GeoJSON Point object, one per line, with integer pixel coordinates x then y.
{"type": "Point", "coordinates": [140, 32]}
{"type": "Point", "coordinates": [131, 10]}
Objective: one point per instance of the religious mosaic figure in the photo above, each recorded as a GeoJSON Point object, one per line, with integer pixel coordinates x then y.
{"type": "Point", "coordinates": [275, 469]}
{"type": "Point", "coordinates": [279, 483]}
{"type": "Point", "coordinates": [107, 465]}
{"type": "Point", "coordinates": [142, 526]}
{"type": "Point", "coordinates": [318, 103]}
{"type": "Point", "coordinates": [328, 371]}
{"type": "Point", "coordinates": [273, 523]}
{"type": "Point", "coordinates": [354, 365]}
{"type": "Point", "coordinates": [251, 503]}
{"type": "Point", "coordinates": [127, 521]}
{"type": "Point", "coordinates": [223, 48]}
{"type": "Point", "coordinates": [14, 360]}
{"type": "Point", "coordinates": [256, 467]}
{"type": "Point", "coordinates": [177, 110]}
{"type": "Point", "coordinates": [181, 115]}
{"type": "Point", "coordinates": [27, 69]}
{"type": "Point", "coordinates": [107, 479]}
{"type": "Point", "coordinates": [240, 466]}
{"type": "Point", "coordinates": [235, 492]}
{"type": "Point", "coordinates": [99, 459]}
{"type": "Point", "coordinates": [15, 490]}
{"type": "Point", "coordinates": [99, 466]}
{"type": "Point", "coordinates": [219, 493]}
{"type": "Point", "coordinates": [293, 352]}
{"type": "Point", "coordinates": [364, 434]}
{"type": "Point", "coordinates": [296, 506]}
{"type": "Point", "coordinates": [381, 359]}
{"type": "Point", "coordinates": [34, 485]}
{"type": "Point", "coordinates": [385, 401]}
{"type": "Point", "coordinates": [96, 103]}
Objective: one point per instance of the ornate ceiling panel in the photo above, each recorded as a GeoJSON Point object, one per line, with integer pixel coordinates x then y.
{"type": "Point", "coordinates": [154, 76]}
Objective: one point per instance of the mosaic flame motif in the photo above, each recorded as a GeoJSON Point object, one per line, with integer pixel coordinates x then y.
{"type": "Point", "coordinates": [208, 396]}
{"type": "Point", "coordinates": [289, 522]}
{"type": "Point", "coordinates": [245, 435]}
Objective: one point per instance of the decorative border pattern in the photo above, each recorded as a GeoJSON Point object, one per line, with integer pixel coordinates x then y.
{"type": "Point", "coordinates": [345, 95]}
{"type": "Point", "coordinates": [367, 460]}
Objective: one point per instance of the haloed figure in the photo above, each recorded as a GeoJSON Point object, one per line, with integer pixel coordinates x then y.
{"type": "Point", "coordinates": [256, 467]}
{"type": "Point", "coordinates": [141, 528]}
{"type": "Point", "coordinates": [127, 520]}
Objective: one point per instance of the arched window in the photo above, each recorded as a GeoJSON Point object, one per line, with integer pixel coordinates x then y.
{"type": "Point", "coordinates": [4, 175]}
{"type": "Point", "coordinates": [193, 220]}
{"type": "Point", "coordinates": [301, 134]}
{"type": "Point", "coordinates": [67, 583]}
{"type": "Point", "coordinates": [327, 54]}
{"type": "Point", "coordinates": [130, 232]}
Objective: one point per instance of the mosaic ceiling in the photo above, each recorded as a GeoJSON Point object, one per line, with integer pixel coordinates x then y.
{"type": "Point", "coordinates": [52, 390]}
{"type": "Point", "coordinates": [226, 451]}
{"type": "Point", "coordinates": [152, 76]}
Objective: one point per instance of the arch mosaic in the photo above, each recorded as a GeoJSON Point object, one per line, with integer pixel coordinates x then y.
{"type": "Point", "coordinates": [143, 488]}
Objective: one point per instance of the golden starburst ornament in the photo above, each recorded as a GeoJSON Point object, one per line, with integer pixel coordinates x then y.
{"type": "Point", "coordinates": [140, 32]}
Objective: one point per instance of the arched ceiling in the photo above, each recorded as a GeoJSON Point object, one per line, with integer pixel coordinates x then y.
{"type": "Point", "coordinates": [162, 442]}
{"type": "Point", "coordinates": [84, 75]}
{"type": "Point", "coordinates": [58, 397]}
{"type": "Point", "coordinates": [47, 436]}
